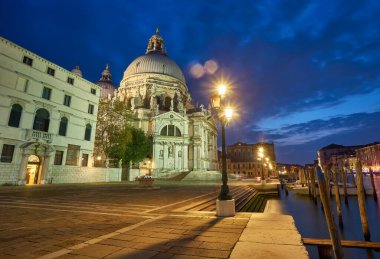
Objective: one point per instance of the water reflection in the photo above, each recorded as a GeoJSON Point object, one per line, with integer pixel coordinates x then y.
{"type": "Point", "coordinates": [310, 220]}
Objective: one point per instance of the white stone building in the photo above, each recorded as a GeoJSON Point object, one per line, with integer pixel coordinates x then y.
{"type": "Point", "coordinates": [184, 136]}
{"type": "Point", "coordinates": [47, 121]}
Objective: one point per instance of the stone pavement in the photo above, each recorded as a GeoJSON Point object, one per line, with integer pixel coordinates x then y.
{"type": "Point", "coordinates": [121, 221]}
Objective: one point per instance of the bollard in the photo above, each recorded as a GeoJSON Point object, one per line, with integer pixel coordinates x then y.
{"type": "Point", "coordinates": [323, 193]}
{"type": "Point", "coordinates": [337, 195]}
{"type": "Point", "coordinates": [373, 185]}
{"type": "Point", "coordinates": [361, 201]}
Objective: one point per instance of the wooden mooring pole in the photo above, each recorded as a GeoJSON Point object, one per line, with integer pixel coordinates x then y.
{"type": "Point", "coordinates": [337, 195]}
{"type": "Point", "coordinates": [344, 180]}
{"type": "Point", "coordinates": [308, 181]}
{"type": "Point", "coordinates": [323, 193]}
{"type": "Point", "coordinates": [361, 201]}
{"type": "Point", "coordinates": [327, 177]}
{"type": "Point", "coordinates": [313, 189]}
{"type": "Point", "coordinates": [373, 185]}
{"type": "Point", "coordinates": [353, 177]}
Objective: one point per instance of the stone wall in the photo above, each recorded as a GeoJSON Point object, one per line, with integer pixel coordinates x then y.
{"type": "Point", "coordinates": [77, 174]}
{"type": "Point", "coordinates": [8, 173]}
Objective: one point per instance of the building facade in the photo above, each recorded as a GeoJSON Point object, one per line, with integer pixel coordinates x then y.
{"type": "Point", "coordinates": [370, 156]}
{"type": "Point", "coordinates": [244, 159]}
{"type": "Point", "coordinates": [334, 154]}
{"type": "Point", "coordinates": [48, 119]}
{"type": "Point", "coordinates": [184, 136]}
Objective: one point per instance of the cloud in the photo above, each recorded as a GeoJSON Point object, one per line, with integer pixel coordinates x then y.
{"type": "Point", "coordinates": [290, 62]}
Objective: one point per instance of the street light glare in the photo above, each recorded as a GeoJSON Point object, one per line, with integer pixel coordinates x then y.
{"type": "Point", "coordinates": [261, 149]}
{"type": "Point", "coordinates": [228, 113]}
{"type": "Point", "coordinates": [222, 89]}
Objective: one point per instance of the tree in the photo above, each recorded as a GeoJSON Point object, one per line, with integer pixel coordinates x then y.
{"type": "Point", "coordinates": [138, 148]}
{"type": "Point", "coordinates": [116, 138]}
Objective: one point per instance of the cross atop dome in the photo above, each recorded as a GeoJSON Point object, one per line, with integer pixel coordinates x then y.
{"type": "Point", "coordinates": [156, 44]}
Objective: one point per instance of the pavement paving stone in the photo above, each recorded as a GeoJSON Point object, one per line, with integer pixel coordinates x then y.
{"type": "Point", "coordinates": [272, 236]}
{"type": "Point", "coordinates": [217, 245]}
{"type": "Point", "coordinates": [163, 256]}
{"type": "Point", "coordinates": [130, 253]}
{"type": "Point", "coordinates": [199, 252]}
{"type": "Point", "coordinates": [268, 251]}
{"type": "Point", "coordinates": [96, 250]}
{"type": "Point", "coordinates": [74, 256]}
{"type": "Point", "coordinates": [188, 257]}
{"type": "Point", "coordinates": [185, 243]}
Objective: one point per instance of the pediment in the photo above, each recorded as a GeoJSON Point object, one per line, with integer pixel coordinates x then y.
{"type": "Point", "coordinates": [170, 115]}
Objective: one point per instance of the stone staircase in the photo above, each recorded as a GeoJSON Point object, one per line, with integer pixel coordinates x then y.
{"type": "Point", "coordinates": [242, 194]}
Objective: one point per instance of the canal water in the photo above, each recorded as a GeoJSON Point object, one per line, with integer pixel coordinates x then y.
{"type": "Point", "coordinates": [311, 223]}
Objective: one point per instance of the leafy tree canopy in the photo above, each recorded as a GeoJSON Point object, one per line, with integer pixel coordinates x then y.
{"type": "Point", "coordinates": [116, 138]}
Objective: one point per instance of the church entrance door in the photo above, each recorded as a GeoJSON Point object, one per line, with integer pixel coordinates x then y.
{"type": "Point", "coordinates": [33, 170]}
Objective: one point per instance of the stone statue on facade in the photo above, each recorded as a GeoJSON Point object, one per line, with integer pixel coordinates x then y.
{"type": "Point", "coordinates": [170, 151]}
{"type": "Point", "coordinates": [171, 104]}
{"type": "Point", "coordinates": [132, 103]}
{"type": "Point", "coordinates": [152, 101]}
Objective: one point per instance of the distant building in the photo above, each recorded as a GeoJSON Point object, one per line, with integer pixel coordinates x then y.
{"type": "Point", "coordinates": [369, 156]}
{"type": "Point", "coordinates": [336, 154]}
{"type": "Point", "coordinates": [243, 159]}
{"type": "Point", "coordinates": [47, 120]}
{"type": "Point", "coordinates": [106, 84]}
{"type": "Point", "coordinates": [291, 171]}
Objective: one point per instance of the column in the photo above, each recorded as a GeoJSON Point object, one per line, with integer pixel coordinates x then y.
{"type": "Point", "coordinates": [22, 170]}
{"type": "Point", "coordinates": [45, 167]}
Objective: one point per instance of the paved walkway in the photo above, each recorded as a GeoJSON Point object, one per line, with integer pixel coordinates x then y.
{"type": "Point", "coordinates": [120, 221]}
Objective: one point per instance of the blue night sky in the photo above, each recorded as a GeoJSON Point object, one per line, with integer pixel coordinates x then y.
{"type": "Point", "coordinates": [304, 73]}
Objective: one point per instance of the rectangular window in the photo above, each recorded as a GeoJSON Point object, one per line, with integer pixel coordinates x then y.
{"type": "Point", "coordinates": [46, 93]}
{"type": "Point", "coordinates": [91, 109]}
{"type": "Point", "coordinates": [7, 153]}
{"type": "Point", "coordinates": [72, 154]}
{"type": "Point", "coordinates": [58, 157]}
{"type": "Point", "coordinates": [93, 91]}
{"type": "Point", "coordinates": [84, 159]}
{"type": "Point", "coordinates": [67, 100]}
{"type": "Point", "coordinates": [70, 80]}
{"type": "Point", "coordinates": [27, 61]}
{"type": "Point", "coordinates": [50, 71]}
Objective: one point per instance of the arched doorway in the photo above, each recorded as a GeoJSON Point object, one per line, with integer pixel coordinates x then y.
{"type": "Point", "coordinates": [33, 170]}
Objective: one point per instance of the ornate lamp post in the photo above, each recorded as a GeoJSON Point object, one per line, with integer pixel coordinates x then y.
{"type": "Point", "coordinates": [225, 205]}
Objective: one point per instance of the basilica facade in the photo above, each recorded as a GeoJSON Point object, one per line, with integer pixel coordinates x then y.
{"type": "Point", "coordinates": [184, 136]}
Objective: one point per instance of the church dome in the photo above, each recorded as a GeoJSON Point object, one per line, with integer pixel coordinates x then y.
{"type": "Point", "coordinates": [155, 61]}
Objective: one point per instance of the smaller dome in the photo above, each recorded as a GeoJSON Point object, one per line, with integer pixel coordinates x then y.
{"type": "Point", "coordinates": [77, 71]}
{"type": "Point", "coordinates": [105, 82]}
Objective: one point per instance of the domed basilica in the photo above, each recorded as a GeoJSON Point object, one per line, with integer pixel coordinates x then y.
{"type": "Point", "coordinates": [184, 135]}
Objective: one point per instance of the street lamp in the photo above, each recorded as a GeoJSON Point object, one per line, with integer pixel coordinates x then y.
{"type": "Point", "coordinates": [260, 155]}
{"type": "Point", "coordinates": [225, 205]}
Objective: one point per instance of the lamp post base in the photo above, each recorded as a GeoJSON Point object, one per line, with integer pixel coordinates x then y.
{"type": "Point", "coordinates": [225, 208]}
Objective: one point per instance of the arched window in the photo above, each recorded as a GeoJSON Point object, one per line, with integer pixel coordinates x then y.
{"type": "Point", "coordinates": [170, 130]}
{"type": "Point", "coordinates": [87, 133]}
{"type": "Point", "coordinates": [63, 126]}
{"type": "Point", "coordinates": [15, 116]}
{"type": "Point", "coordinates": [41, 120]}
